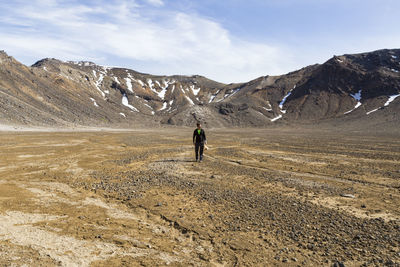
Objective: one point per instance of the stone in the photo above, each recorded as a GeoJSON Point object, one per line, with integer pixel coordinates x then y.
{"type": "Point", "coordinates": [348, 195]}
{"type": "Point", "coordinates": [338, 264]}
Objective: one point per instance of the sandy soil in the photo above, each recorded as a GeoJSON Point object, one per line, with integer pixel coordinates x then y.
{"type": "Point", "coordinates": [260, 198]}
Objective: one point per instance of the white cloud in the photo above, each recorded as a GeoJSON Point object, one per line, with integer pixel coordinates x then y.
{"type": "Point", "coordinates": [169, 41]}
{"type": "Point", "coordinates": [156, 2]}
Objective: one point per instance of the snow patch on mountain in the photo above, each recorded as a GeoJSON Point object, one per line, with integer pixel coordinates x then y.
{"type": "Point", "coordinates": [160, 94]}
{"type": "Point", "coordinates": [129, 84]}
{"type": "Point", "coordinates": [369, 112]}
{"type": "Point", "coordinates": [163, 91]}
{"type": "Point", "coordinates": [195, 91]}
{"type": "Point", "coordinates": [227, 95]}
{"type": "Point", "coordinates": [284, 100]}
{"type": "Point", "coordinates": [213, 96]}
{"type": "Point", "coordinates": [391, 98]}
{"type": "Point", "coordinates": [190, 100]}
{"type": "Point", "coordinates": [140, 82]}
{"type": "Point", "coordinates": [151, 84]}
{"type": "Point", "coordinates": [170, 105]}
{"type": "Point", "coordinates": [356, 96]}
{"type": "Point", "coordinates": [94, 102]}
{"type": "Point", "coordinates": [269, 108]}
{"type": "Point", "coordinates": [82, 63]}
{"type": "Point", "coordinates": [165, 104]}
{"type": "Point", "coordinates": [126, 103]}
{"type": "Point", "coordinates": [98, 84]}
{"type": "Point", "coordinates": [232, 93]}
{"type": "Point", "coordinates": [276, 118]}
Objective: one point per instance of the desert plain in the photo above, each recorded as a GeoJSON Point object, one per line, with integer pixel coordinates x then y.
{"type": "Point", "coordinates": [261, 197]}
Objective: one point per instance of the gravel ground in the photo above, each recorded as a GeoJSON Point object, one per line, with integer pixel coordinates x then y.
{"type": "Point", "coordinates": [268, 198]}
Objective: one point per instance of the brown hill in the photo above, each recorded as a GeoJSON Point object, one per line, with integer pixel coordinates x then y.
{"type": "Point", "coordinates": [359, 89]}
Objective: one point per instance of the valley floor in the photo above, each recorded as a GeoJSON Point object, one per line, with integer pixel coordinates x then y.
{"type": "Point", "coordinates": [260, 198]}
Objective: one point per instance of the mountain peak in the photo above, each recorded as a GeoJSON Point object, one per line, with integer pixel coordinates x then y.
{"type": "Point", "coordinates": [46, 61]}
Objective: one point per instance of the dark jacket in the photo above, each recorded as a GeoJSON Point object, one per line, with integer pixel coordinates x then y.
{"type": "Point", "coordinates": [199, 138]}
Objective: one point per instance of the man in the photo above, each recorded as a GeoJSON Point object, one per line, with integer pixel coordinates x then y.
{"type": "Point", "coordinates": [199, 139]}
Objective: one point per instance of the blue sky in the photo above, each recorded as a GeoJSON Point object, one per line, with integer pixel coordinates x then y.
{"type": "Point", "coordinates": [228, 41]}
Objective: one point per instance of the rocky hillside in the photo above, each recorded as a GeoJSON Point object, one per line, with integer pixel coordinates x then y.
{"type": "Point", "coordinates": [357, 88]}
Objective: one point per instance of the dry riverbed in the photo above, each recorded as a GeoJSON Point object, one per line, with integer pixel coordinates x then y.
{"type": "Point", "coordinates": [260, 198]}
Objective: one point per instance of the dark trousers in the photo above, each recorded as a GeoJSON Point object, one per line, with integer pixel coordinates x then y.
{"type": "Point", "coordinates": [196, 150]}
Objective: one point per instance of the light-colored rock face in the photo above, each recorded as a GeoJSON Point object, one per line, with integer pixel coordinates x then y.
{"type": "Point", "coordinates": [53, 92]}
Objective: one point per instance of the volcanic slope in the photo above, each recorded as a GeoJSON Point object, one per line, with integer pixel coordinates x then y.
{"type": "Point", "coordinates": [358, 90]}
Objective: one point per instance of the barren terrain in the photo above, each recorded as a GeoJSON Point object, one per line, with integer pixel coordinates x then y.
{"type": "Point", "coordinates": [271, 197]}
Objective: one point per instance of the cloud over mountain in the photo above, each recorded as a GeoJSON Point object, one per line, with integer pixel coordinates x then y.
{"type": "Point", "coordinates": [173, 41]}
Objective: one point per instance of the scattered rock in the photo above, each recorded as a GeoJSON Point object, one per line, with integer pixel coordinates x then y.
{"type": "Point", "coordinates": [338, 264]}
{"type": "Point", "coordinates": [348, 195]}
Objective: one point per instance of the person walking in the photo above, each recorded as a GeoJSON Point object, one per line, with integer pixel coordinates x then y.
{"type": "Point", "coordinates": [199, 140]}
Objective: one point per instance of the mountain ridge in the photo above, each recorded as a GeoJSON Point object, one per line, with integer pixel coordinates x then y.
{"type": "Point", "coordinates": [52, 92]}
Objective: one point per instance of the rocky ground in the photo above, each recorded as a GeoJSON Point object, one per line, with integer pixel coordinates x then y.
{"type": "Point", "coordinates": [274, 197]}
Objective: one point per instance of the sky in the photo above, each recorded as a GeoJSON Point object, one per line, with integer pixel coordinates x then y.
{"type": "Point", "coordinates": [227, 41]}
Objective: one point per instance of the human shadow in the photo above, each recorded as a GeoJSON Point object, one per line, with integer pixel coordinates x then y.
{"type": "Point", "coordinates": [176, 160]}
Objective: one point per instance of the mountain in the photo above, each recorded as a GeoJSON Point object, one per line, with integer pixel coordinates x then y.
{"type": "Point", "coordinates": [356, 89]}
